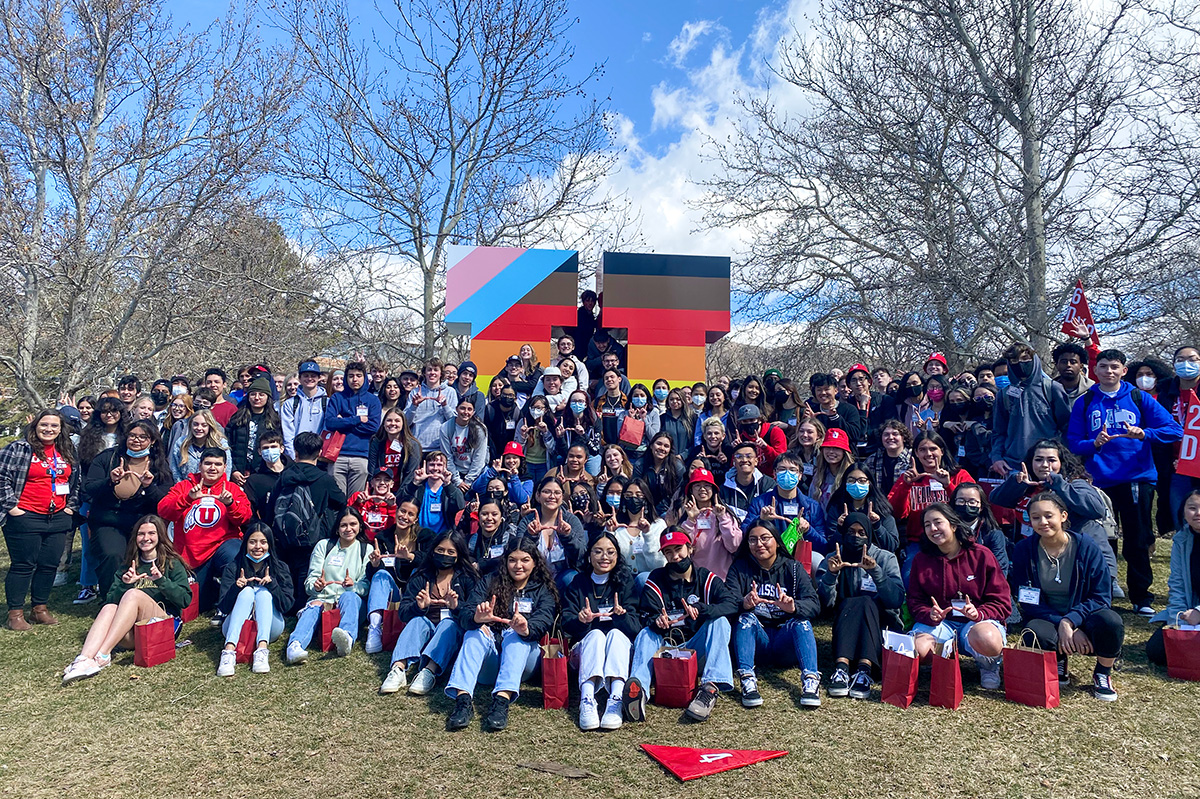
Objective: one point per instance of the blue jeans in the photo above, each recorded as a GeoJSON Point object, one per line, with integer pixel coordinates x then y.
{"type": "Point", "coordinates": [208, 574]}
{"type": "Point", "coordinates": [536, 472]}
{"type": "Point", "coordinates": [639, 582]}
{"type": "Point", "coordinates": [910, 552]}
{"type": "Point", "coordinates": [564, 578]}
{"type": "Point", "coordinates": [349, 603]}
{"type": "Point", "coordinates": [256, 602]}
{"type": "Point", "coordinates": [383, 590]}
{"type": "Point", "coordinates": [421, 639]}
{"type": "Point", "coordinates": [960, 629]}
{"type": "Point", "coordinates": [479, 661]}
{"type": "Point", "coordinates": [87, 558]}
{"type": "Point", "coordinates": [711, 644]}
{"type": "Point", "coordinates": [789, 644]}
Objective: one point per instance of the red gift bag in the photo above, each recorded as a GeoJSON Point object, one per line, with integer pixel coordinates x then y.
{"type": "Point", "coordinates": [331, 617]}
{"type": "Point", "coordinates": [153, 642]}
{"type": "Point", "coordinates": [945, 680]}
{"type": "Point", "coordinates": [556, 685]}
{"type": "Point", "coordinates": [1183, 652]}
{"type": "Point", "coordinates": [804, 555]}
{"type": "Point", "coordinates": [193, 608]}
{"type": "Point", "coordinates": [247, 642]}
{"type": "Point", "coordinates": [391, 626]}
{"type": "Point", "coordinates": [1030, 674]}
{"type": "Point", "coordinates": [331, 445]}
{"type": "Point", "coordinates": [675, 671]}
{"type": "Point", "coordinates": [632, 431]}
{"type": "Point", "coordinates": [899, 678]}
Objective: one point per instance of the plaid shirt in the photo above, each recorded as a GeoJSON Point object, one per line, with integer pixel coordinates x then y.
{"type": "Point", "coordinates": [14, 469]}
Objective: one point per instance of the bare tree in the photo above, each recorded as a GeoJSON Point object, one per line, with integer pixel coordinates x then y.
{"type": "Point", "coordinates": [456, 122]}
{"type": "Point", "coordinates": [121, 138]}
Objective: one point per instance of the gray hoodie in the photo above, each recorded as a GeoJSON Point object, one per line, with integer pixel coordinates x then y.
{"type": "Point", "coordinates": [1033, 409]}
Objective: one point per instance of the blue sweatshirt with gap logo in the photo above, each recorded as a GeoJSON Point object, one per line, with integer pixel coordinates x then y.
{"type": "Point", "coordinates": [1121, 460]}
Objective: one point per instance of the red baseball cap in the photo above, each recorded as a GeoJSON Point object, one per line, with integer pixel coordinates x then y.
{"type": "Point", "coordinates": [673, 536]}
{"type": "Point", "coordinates": [836, 437]}
{"type": "Point", "coordinates": [858, 367]}
{"type": "Point", "coordinates": [701, 476]}
{"type": "Point", "coordinates": [514, 448]}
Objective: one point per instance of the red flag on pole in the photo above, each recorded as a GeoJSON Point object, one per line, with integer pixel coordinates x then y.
{"type": "Point", "coordinates": [1078, 309]}
{"type": "Point", "coordinates": [690, 764]}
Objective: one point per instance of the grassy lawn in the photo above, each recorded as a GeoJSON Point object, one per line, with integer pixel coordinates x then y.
{"type": "Point", "coordinates": [321, 729]}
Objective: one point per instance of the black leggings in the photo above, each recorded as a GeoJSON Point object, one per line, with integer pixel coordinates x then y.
{"type": "Point", "coordinates": [110, 545]}
{"type": "Point", "coordinates": [1104, 629]}
{"type": "Point", "coordinates": [1133, 504]}
{"type": "Point", "coordinates": [1156, 648]}
{"type": "Point", "coordinates": [857, 635]}
{"type": "Point", "coordinates": [35, 543]}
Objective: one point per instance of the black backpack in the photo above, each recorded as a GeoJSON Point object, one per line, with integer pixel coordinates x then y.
{"type": "Point", "coordinates": [297, 522]}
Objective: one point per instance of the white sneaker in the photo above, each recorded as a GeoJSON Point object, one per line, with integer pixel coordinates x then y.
{"type": "Point", "coordinates": [989, 673]}
{"type": "Point", "coordinates": [296, 653]}
{"type": "Point", "coordinates": [396, 679]}
{"type": "Point", "coordinates": [612, 714]}
{"type": "Point", "coordinates": [262, 661]}
{"type": "Point", "coordinates": [589, 715]}
{"type": "Point", "coordinates": [374, 639]}
{"type": "Point", "coordinates": [341, 641]}
{"type": "Point", "coordinates": [80, 668]}
{"type": "Point", "coordinates": [228, 659]}
{"type": "Point", "coordinates": [60, 579]}
{"type": "Point", "coordinates": [422, 683]}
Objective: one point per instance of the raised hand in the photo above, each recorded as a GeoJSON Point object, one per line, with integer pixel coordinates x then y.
{"type": "Point", "coordinates": [784, 601]}
{"type": "Point", "coordinates": [868, 563]}
{"type": "Point", "coordinates": [663, 621]}
{"type": "Point", "coordinates": [347, 581]}
{"type": "Point", "coordinates": [375, 557]}
{"type": "Point", "coordinates": [970, 611]}
{"type": "Point", "coordinates": [519, 624]}
{"type": "Point", "coordinates": [423, 599]}
{"type": "Point", "coordinates": [751, 600]}
{"type": "Point", "coordinates": [226, 498]}
{"type": "Point", "coordinates": [834, 563]}
{"type": "Point", "coordinates": [586, 616]}
{"type": "Point", "coordinates": [266, 578]}
{"type": "Point", "coordinates": [1132, 431]}
{"type": "Point", "coordinates": [617, 609]}
{"type": "Point", "coordinates": [320, 582]}
{"type": "Point", "coordinates": [147, 478]}
{"type": "Point", "coordinates": [241, 580]}
{"type": "Point", "coordinates": [131, 575]}
{"type": "Point", "coordinates": [688, 610]}
{"type": "Point", "coordinates": [937, 614]}
{"type": "Point", "coordinates": [452, 599]}
{"type": "Point", "coordinates": [845, 513]}
{"type": "Point", "coordinates": [871, 514]}
{"type": "Point", "coordinates": [1024, 479]}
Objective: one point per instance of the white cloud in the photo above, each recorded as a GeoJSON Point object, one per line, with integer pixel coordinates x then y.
{"type": "Point", "coordinates": [689, 37]}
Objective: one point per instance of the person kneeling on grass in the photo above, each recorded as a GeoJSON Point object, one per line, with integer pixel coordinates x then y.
{"type": "Point", "coordinates": [691, 599]}
{"type": "Point", "coordinates": [390, 563]}
{"type": "Point", "coordinates": [1065, 593]}
{"type": "Point", "coordinates": [504, 620]}
{"type": "Point", "coordinates": [600, 614]}
{"type": "Point", "coordinates": [256, 585]}
{"type": "Point", "coordinates": [152, 585]}
{"type": "Point", "coordinates": [778, 602]}
{"type": "Point", "coordinates": [440, 584]}
{"type": "Point", "coordinates": [956, 590]}
{"type": "Point", "coordinates": [861, 582]}
{"type": "Point", "coordinates": [1183, 585]}
{"type": "Point", "coordinates": [337, 572]}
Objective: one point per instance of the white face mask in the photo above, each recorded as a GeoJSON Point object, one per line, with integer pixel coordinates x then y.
{"type": "Point", "coordinates": [1146, 382]}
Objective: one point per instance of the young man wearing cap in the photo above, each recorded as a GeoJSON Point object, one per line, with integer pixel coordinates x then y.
{"type": "Point", "coordinates": [160, 392]}
{"type": "Point", "coordinates": [408, 381]}
{"type": "Point", "coordinates": [870, 407]}
{"type": "Point", "coordinates": [305, 412]}
{"type": "Point", "coordinates": [829, 410]}
{"type": "Point", "coordinates": [768, 439]}
{"type": "Point", "coordinates": [464, 385]}
{"type": "Point", "coordinates": [180, 385]}
{"type": "Point", "coordinates": [691, 599]}
{"type": "Point", "coordinates": [744, 482]}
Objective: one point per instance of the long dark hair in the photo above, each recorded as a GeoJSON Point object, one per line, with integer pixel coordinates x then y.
{"type": "Point", "coordinates": [622, 573]}
{"type": "Point", "coordinates": [1072, 467]}
{"type": "Point", "coordinates": [781, 550]}
{"type": "Point", "coordinates": [948, 462]}
{"type": "Point", "coordinates": [262, 527]}
{"type": "Point", "coordinates": [383, 384]}
{"type": "Point", "coordinates": [965, 538]}
{"type": "Point", "coordinates": [91, 440]}
{"type": "Point", "coordinates": [242, 416]}
{"type": "Point", "coordinates": [62, 442]}
{"type": "Point", "coordinates": [428, 569]}
{"type": "Point", "coordinates": [987, 519]}
{"type": "Point", "coordinates": [648, 511]}
{"type": "Point", "coordinates": [164, 554]}
{"type": "Point", "coordinates": [362, 525]}
{"type": "Point", "coordinates": [670, 483]}
{"type": "Point", "coordinates": [476, 432]}
{"type": "Point", "coordinates": [158, 451]}
{"type": "Point", "coordinates": [875, 495]}
{"type": "Point", "coordinates": [501, 585]}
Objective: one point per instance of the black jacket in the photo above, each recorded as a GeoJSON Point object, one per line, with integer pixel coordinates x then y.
{"type": "Point", "coordinates": [600, 599]}
{"type": "Point", "coordinates": [326, 496]}
{"type": "Point", "coordinates": [488, 552]}
{"type": "Point", "coordinates": [542, 608]}
{"type": "Point", "coordinates": [401, 568]}
{"type": "Point", "coordinates": [846, 418]}
{"type": "Point", "coordinates": [463, 583]}
{"type": "Point", "coordinates": [106, 509]}
{"type": "Point", "coordinates": [244, 457]}
{"type": "Point", "coordinates": [280, 586]}
{"type": "Point", "coordinates": [706, 592]}
{"type": "Point", "coordinates": [784, 572]}
{"type": "Point", "coordinates": [258, 490]}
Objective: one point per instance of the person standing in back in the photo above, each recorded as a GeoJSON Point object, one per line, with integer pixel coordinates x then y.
{"type": "Point", "coordinates": [1030, 408]}
{"type": "Point", "coordinates": [355, 412]}
{"type": "Point", "coordinates": [305, 412]}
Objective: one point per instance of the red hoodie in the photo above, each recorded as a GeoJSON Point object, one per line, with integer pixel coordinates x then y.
{"type": "Point", "coordinates": [909, 499]}
{"type": "Point", "coordinates": [204, 524]}
{"type": "Point", "coordinates": [776, 444]}
{"type": "Point", "coordinates": [973, 572]}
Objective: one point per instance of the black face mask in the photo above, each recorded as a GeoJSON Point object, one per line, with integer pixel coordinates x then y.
{"type": "Point", "coordinates": [781, 398]}
{"type": "Point", "coordinates": [507, 402]}
{"type": "Point", "coordinates": [443, 561]}
{"type": "Point", "coordinates": [497, 496]}
{"type": "Point", "coordinates": [579, 501]}
{"type": "Point", "coordinates": [984, 403]}
{"type": "Point", "coordinates": [911, 392]}
{"type": "Point", "coordinates": [680, 566]}
{"type": "Point", "coordinates": [1020, 370]}
{"type": "Point", "coordinates": [892, 390]}
{"type": "Point", "coordinates": [967, 513]}
{"type": "Point", "coordinates": [853, 547]}
{"type": "Point", "coordinates": [749, 431]}
{"type": "Point", "coordinates": [958, 408]}
{"type": "Point", "coordinates": [634, 504]}
{"type": "Point", "coordinates": [160, 397]}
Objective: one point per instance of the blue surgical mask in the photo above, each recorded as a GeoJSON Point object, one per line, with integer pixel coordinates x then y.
{"type": "Point", "coordinates": [272, 454]}
{"type": "Point", "coordinates": [137, 453]}
{"type": "Point", "coordinates": [536, 413]}
{"type": "Point", "coordinates": [613, 500]}
{"type": "Point", "coordinates": [177, 391]}
{"type": "Point", "coordinates": [638, 402]}
{"type": "Point", "coordinates": [578, 407]}
{"type": "Point", "coordinates": [660, 394]}
{"type": "Point", "coordinates": [787, 480]}
{"type": "Point", "coordinates": [697, 400]}
{"type": "Point", "coordinates": [1002, 382]}
{"type": "Point", "coordinates": [253, 559]}
{"type": "Point", "coordinates": [858, 490]}
{"type": "Point", "coordinates": [1187, 370]}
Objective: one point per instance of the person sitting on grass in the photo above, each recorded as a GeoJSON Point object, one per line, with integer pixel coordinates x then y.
{"type": "Point", "coordinates": [255, 585]}
{"type": "Point", "coordinates": [1065, 593]}
{"type": "Point", "coordinates": [390, 563]}
{"type": "Point", "coordinates": [957, 591]}
{"type": "Point", "coordinates": [429, 610]}
{"type": "Point", "coordinates": [337, 574]}
{"type": "Point", "coordinates": [153, 584]}
{"type": "Point", "coordinates": [1183, 587]}
{"type": "Point", "coordinates": [504, 619]}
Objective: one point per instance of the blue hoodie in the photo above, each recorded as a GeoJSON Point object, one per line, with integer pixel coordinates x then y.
{"type": "Point", "coordinates": [1122, 460]}
{"type": "Point", "coordinates": [341, 413]}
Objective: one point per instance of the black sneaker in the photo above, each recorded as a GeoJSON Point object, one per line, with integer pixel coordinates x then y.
{"type": "Point", "coordinates": [634, 701]}
{"type": "Point", "coordinates": [861, 686]}
{"type": "Point", "coordinates": [217, 619]}
{"type": "Point", "coordinates": [702, 703]}
{"type": "Point", "coordinates": [497, 715]}
{"type": "Point", "coordinates": [1064, 676]}
{"type": "Point", "coordinates": [1102, 687]}
{"type": "Point", "coordinates": [464, 711]}
{"type": "Point", "coordinates": [839, 683]}
{"type": "Point", "coordinates": [810, 694]}
{"type": "Point", "coordinates": [750, 695]}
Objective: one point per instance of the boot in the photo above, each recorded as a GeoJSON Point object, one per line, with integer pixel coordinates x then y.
{"type": "Point", "coordinates": [42, 616]}
{"type": "Point", "coordinates": [16, 620]}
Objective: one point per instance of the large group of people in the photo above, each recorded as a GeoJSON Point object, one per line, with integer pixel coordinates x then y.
{"type": "Point", "coordinates": [726, 517]}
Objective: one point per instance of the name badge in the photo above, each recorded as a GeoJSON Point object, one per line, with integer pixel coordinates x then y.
{"type": "Point", "coordinates": [637, 546]}
{"type": "Point", "coordinates": [523, 606]}
{"type": "Point", "coordinates": [443, 614]}
{"type": "Point", "coordinates": [676, 618]}
{"type": "Point", "coordinates": [374, 518]}
{"type": "Point", "coordinates": [362, 410]}
{"type": "Point", "coordinates": [605, 613]}
{"type": "Point", "coordinates": [936, 485]}
{"type": "Point", "coordinates": [958, 605]}
{"type": "Point", "coordinates": [395, 446]}
{"type": "Point", "coordinates": [868, 583]}
{"type": "Point", "coordinates": [435, 507]}
{"type": "Point", "coordinates": [808, 469]}
{"type": "Point", "coordinates": [557, 555]}
{"type": "Point", "coordinates": [510, 425]}
{"type": "Point", "coordinates": [791, 509]}
{"type": "Point", "coordinates": [338, 559]}
{"type": "Point", "coordinates": [962, 451]}
{"type": "Point", "coordinates": [705, 522]}
{"type": "Point", "coordinates": [495, 551]}
{"type": "Point", "coordinates": [1028, 595]}
{"type": "Point", "coordinates": [62, 489]}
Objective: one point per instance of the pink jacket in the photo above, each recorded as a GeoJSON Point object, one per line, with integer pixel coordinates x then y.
{"type": "Point", "coordinates": [716, 537]}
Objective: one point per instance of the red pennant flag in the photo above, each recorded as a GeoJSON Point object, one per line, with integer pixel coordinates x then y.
{"type": "Point", "coordinates": [690, 764]}
{"type": "Point", "coordinates": [1187, 412]}
{"type": "Point", "coordinates": [1078, 309]}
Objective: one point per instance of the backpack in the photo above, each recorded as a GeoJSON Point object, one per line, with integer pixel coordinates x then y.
{"type": "Point", "coordinates": [296, 404]}
{"type": "Point", "coordinates": [1135, 394]}
{"type": "Point", "coordinates": [1109, 522]}
{"type": "Point", "coordinates": [297, 523]}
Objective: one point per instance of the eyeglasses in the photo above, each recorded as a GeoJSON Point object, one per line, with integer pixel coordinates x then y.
{"type": "Point", "coordinates": [137, 437]}
{"type": "Point", "coordinates": [745, 458]}
{"type": "Point", "coordinates": [860, 482]}
{"type": "Point", "coordinates": [110, 413]}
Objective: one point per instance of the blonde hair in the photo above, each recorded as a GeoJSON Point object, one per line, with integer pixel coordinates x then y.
{"type": "Point", "coordinates": [821, 469]}
{"type": "Point", "coordinates": [215, 437]}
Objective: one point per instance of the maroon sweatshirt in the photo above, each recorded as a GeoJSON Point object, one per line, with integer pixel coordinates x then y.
{"type": "Point", "coordinates": [973, 571]}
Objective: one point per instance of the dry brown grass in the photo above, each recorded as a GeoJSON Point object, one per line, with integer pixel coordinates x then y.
{"type": "Point", "coordinates": [321, 730]}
